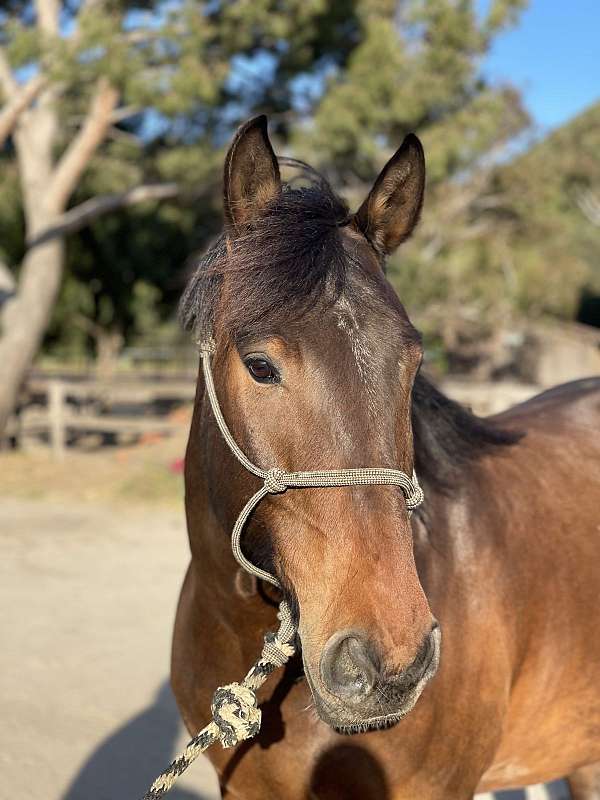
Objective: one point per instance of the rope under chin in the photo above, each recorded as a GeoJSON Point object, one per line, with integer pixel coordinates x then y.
{"type": "Point", "coordinates": [235, 712]}
{"type": "Point", "coordinates": [234, 708]}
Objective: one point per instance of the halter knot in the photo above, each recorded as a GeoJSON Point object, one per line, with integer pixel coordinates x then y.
{"type": "Point", "coordinates": [274, 483]}
{"type": "Point", "coordinates": [206, 344]}
{"type": "Point", "coordinates": [415, 497]}
{"type": "Point", "coordinates": [275, 651]}
{"type": "Point", "coordinates": [235, 713]}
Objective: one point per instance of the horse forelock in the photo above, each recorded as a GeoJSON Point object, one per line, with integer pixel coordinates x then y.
{"type": "Point", "coordinates": [266, 276]}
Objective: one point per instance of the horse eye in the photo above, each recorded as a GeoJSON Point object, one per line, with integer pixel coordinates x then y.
{"type": "Point", "coordinates": [261, 370]}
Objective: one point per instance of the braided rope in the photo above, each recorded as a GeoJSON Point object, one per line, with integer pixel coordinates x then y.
{"type": "Point", "coordinates": [234, 707]}
{"type": "Point", "coordinates": [235, 712]}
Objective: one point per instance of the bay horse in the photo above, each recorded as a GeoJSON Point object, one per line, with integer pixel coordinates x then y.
{"type": "Point", "coordinates": [317, 366]}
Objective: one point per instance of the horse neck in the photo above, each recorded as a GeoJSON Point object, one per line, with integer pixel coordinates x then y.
{"type": "Point", "coordinates": [463, 528]}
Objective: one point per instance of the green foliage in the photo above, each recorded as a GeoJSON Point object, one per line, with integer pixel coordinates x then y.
{"type": "Point", "coordinates": [24, 44]}
{"type": "Point", "coordinates": [145, 302]}
{"type": "Point", "coordinates": [343, 82]}
{"type": "Point", "coordinates": [414, 70]}
{"type": "Point", "coordinates": [419, 69]}
{"type": "Point", "coordinates": [67, 337]}
{"type": "Point", "coordinates": [503, 14]}
{"type": "Point", "coordinates": [556, 247]}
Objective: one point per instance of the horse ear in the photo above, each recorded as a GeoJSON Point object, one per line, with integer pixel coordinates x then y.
{"type": "Point", "coordinates": [389, 214]}
{"type": "Point", "coordinates": [251, 179]}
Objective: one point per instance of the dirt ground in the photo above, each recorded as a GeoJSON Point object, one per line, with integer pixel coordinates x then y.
{"type": "Point", "coordinates": [92, 555]}
{"type": "Point", "coordinates": [89, 596]}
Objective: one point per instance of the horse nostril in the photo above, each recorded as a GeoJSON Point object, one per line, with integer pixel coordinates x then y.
{"type": "Point", "coordinates": [400, 685]}
{"type": "Point", "coordinates": [348, 666]}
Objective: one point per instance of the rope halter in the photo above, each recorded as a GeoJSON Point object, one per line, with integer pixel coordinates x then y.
{"type": "Point", "coordinates": [235, 711]}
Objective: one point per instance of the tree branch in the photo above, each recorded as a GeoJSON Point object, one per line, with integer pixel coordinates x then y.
{"type": "Point", "coordinates": [119, 114]}
{"type": "Point", "coordinates": [48, 12]}
{"type": "Point", "coordinates": [589, 205]}
{"type": "Point", "coordinates": [78, 154]}
{"type": "Point", "coordinates": [84, 213]}
{"type": "Point", "coordinates": [17, 104]}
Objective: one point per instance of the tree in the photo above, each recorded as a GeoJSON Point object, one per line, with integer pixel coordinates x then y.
{"type": "Point", "coordinates": [70, 73]}
{"type": "Point", "coordinates": [108, 104]}
{"type": "Point", "coordinates": [551, 192]}
{"type": "Point", "coordinates": [80, 74]}
{"type": "Point", "coordinates": [418, 68]}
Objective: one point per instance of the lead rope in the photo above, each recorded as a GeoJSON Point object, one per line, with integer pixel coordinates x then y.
{"type": "Point", "coordinates": [235, 712]}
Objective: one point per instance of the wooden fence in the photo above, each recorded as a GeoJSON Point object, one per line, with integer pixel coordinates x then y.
{"type": "Point", "coordinates": [69, 405]}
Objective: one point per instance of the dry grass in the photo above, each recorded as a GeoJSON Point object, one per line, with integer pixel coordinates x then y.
{"type": "Point", "coordinates": [143, 473]}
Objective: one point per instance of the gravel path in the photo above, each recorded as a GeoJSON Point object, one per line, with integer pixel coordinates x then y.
{"type": "Point", "coordinates": [88, 596]}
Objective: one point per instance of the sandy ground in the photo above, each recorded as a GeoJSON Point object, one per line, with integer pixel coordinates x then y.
{"type": "Point", "coordinates": [89, 594]}
{"type": "Point", "coordinates": [88, 597]}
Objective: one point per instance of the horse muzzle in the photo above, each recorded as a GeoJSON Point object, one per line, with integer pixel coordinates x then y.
{"type": "Point", "coordinates": [354, 693]}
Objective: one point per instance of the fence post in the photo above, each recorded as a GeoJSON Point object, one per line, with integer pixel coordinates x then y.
{"type": "Point", "coordinates": [56, 394]}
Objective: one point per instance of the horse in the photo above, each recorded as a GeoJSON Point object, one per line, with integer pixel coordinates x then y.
{"type": "Point", "coordinates": [443, 653]}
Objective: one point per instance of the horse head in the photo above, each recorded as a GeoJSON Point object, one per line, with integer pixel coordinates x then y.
{"type": "Point", "coordinates": [314, 364]}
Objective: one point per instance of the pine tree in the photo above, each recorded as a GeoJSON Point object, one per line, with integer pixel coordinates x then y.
{"type": "Point", "coordinates": [110, 104]}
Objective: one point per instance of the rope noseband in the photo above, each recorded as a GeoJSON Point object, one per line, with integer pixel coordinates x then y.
{"type": "Point", "coordinates": [234, 707]}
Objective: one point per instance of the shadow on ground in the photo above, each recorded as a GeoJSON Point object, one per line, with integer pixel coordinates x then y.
{"type": "Point", "coordinates": [558, 790]}
{"type": "Point", "coordinates": [125, 764]}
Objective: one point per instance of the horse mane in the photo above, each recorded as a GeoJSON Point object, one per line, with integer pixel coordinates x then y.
{"type": "Point", "coordinates": [290, 259]}
{"type": "Point", "coordinates": [448, 437]}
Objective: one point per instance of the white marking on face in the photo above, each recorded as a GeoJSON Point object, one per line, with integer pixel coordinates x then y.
{"type": "Point", "coordinates": [347, 322]}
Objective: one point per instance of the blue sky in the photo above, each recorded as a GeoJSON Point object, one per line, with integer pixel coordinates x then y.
{"type": "Point", "coordinates": [553, 57]}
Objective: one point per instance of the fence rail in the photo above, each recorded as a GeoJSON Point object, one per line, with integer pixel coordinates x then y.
{"type": "Point", "coordinates": [65, 405]}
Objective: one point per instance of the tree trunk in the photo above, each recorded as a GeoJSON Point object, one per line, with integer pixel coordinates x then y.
{"type": "Point", "coordinates": [25, 318]}
{"type": "Point", "coordinates": [46, 186]}
{"type": "Point", "coordinates": [25, 315]}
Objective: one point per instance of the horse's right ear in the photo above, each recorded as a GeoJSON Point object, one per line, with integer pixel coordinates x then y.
{"type": "Point", "coordinates": [251, 180]}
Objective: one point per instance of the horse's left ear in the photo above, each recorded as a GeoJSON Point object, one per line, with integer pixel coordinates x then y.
{"type": "Point", "coordinates": [389, 214]}
{"type": "Point", "coordinates": [251, 180]}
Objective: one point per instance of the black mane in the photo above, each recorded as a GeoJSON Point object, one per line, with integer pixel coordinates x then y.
{"type": "Point", "coordinates": [290, 258]}
{"type": "Point", "coordinates": [293, 257]}
{"type": "Point", "coordinates": [447, 436]}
